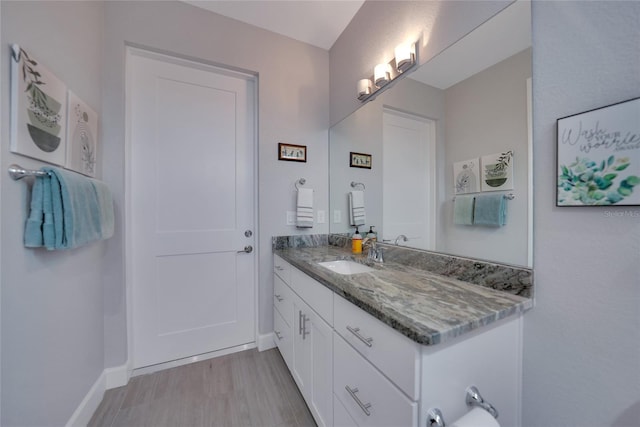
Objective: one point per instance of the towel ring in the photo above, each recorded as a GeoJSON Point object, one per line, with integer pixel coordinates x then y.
{"type": "Point", "coordinates": [301, 181]}
{"type": "Point", "coordinates": [355, 184]}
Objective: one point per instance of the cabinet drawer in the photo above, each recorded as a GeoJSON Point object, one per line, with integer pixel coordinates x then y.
{"type": "Point", "coordinates": [318, 296]}
{"type": "Point", "coordinates": [391, 352]}
{"type": "Point", "coordinates": [283, 299]}
{"type": "Point", "coordinates": [283, 338]}
{"type": "Point", "coordinates": [361, 389]}
{"type": "Point", "coordinates": [282, 268]}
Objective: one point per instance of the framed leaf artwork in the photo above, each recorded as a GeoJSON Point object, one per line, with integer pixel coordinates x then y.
{"type": "Point", "coordinates": [82, 136]}
{"type": "Point", "coordinates": [38, 109]}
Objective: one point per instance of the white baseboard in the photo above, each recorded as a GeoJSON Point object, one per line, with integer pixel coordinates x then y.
{"type": "Point", "coordinates": [109, 378]}
{"type": "Point", "coordinates": [89, 404]}
{"type": "Point", "coordinates": [265, 341]}
{"type": "Point", "coordinates": [117, 376]}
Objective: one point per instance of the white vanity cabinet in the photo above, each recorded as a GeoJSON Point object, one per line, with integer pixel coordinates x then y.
{"type": "Point", "coordinates": [355, 370]}
{"type": "Point", "coordinates": [308, 347]}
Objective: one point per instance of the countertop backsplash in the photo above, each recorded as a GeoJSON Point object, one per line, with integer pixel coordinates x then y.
{"type": "Point", "coordinates": [502, 277]}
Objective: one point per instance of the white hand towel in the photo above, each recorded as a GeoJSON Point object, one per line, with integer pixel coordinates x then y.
{"type": "Point", "coordinates": [304, 208]}
{"type": "Point", "coordinates": [357, 215]}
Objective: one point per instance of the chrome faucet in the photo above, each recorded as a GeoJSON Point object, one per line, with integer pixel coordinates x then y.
{"type": "Point", "coordinates": [375, 253]}
{"type": "Point", "coordinates": [401, 237]}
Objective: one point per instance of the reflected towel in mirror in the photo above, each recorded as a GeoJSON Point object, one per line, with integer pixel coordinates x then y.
{"type": "Point", "coordinates": [490, 210]}
{"type": "Point", "coordinates": [463, 210]}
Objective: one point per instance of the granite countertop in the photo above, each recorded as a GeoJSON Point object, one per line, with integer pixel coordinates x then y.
{"type": "Point", "coordinates": [426, 307]}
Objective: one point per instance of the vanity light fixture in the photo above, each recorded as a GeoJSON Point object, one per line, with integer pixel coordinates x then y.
{"type": "Point", "coordinates": [384, 74]}
{"type": "Point", "coordinates": [364, 88]}
{"type": "Point", "coordinates": [405, 56]}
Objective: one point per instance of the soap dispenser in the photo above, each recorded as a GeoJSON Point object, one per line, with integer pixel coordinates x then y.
{"type": "Point", "coordinates": [372, 234]}
{"type": "Point", "coordinates": [356, 242]}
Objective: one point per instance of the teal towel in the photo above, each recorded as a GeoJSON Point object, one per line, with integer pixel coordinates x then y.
{"type": "Point", "coordinates": [490, 210]}
{"type": "Point", "coordinates": [463, 210]}
{"type": "Point", "coordinates": [68, 210]}
{"type": "Point", "coordinates": [33, 230]}
{"type": "Point", "coordinates": [105, 202]}
{"type": "Point", "coordinates": [76, 211]}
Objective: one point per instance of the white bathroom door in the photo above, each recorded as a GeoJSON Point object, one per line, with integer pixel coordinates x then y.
{"type": "Point", "coordinates": [191, 130]}
{"type": "Point", "coordinates": [408, 170]}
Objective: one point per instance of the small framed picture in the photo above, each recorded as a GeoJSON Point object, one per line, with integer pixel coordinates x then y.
{"type": "Point", "coordinates": [360, 160]}
{"type": "Point", "coordinates": [290, 152]}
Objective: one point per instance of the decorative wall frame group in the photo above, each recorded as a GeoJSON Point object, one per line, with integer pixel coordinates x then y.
{"type": "Point", "coordinates": [598, 160]}
{"type": "Point", "coordinates": [291, 152]}
{"type": "Point", "coordinates": [48, 122]}
{"type": "Point", "coordinates": [360, 160]}
{"type": "Point", "coordinates": [493, 172]}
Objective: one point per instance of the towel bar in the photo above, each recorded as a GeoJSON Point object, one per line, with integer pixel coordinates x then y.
{"type": "Point", "coordinates": [355, 184]}
{"type": "Point", "coordinates": [17, 172]}
{"type": "Point", "coordinates": [509, 196]}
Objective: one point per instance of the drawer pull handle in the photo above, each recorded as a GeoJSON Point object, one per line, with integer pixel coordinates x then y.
{"type": "Point", "coordinates": [364, 406]}
{"type": "Point", "coordinates": [278, 335]}
{"type": "Point", "coordinates": [356, 331]}
{"type": "Point", "coordinates": [304, 326]}
{"type": "Point", "coordinates": [300, 324]}
{"type": "Point", "coordinates": [279, 298]}
{"type": "Point", "coordinates": [279, 268]}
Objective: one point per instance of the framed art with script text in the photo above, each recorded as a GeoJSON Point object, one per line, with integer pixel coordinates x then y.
{"type": "Point", "coordinates": [598, 161]}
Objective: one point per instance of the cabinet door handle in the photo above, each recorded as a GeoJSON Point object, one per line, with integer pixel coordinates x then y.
{"type": "Point", "coordinates": [278, 335]}
{"type": "Point", "coordinates": [364, 406]}
{"type": "Point", "coordinates": [300, 325]}
{"type": "Point", "coordinates": [279, 268]}
{"type": "Point", "coordinates": [356, 331]}
{"type": "Point", "coordinates": [278, 297]}
{"type": "Point", "coordinates": [304, 326]}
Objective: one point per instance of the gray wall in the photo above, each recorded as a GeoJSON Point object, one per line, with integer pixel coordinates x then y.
{"type": "Point", "coordinates": [379, 26]}
{"type": "Point", "coordinates": [486, 114]}
{"type": "Point", "coordinates": [52, 323]}
{"type": "Point", "coordinates": [582, 340]}
{"type": "Point", "coordinates": [293, 107]}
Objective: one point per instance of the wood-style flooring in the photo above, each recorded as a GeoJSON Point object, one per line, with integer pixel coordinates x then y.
{"type": "Point", "coordinates": [243, 389]}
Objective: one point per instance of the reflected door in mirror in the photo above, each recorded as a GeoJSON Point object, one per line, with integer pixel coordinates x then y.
{"type": "Point", "coordinates": [408, 168]}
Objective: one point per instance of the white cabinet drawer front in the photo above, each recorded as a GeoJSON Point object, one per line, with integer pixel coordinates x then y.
{"type": "Point", "coordinates": [282, 268]}
{"type": "Point", "coordinates": [283, 299]}
{"type": "Point", "coordinates": [319, 297]}
{"type": "Point", "coordinates": [283, 338]}
{"type": "Point", "coordinates": [394, 354]}
{"type": "Point", "coordinates": [341, 417]}
{"type": "Point", "coordinates": [369, 398]}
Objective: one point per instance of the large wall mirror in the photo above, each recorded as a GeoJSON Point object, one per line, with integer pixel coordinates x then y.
{"type": "Point", "coordinates": [471, 100]}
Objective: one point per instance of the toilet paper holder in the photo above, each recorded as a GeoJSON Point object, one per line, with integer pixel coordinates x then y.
{"type": "Point", "coordinates": [473, 398]}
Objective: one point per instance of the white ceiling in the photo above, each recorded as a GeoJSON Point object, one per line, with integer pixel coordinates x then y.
{"type": "Point", "coordinates": [317, 22]}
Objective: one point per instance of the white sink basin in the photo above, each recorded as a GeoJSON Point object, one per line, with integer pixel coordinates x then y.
{"type": "Point", "coordinates": [346, 267]}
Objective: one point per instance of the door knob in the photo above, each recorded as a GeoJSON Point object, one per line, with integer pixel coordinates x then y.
{"type": "Point", "coordinates": [248, 233]}
{"type": "Point", "coordinates": [247, 249]}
